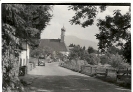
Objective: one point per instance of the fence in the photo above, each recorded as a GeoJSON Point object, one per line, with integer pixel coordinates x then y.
{"type": "Point", "coordinates": [93, 70]}
{"type": "Point", "coordinates": [98, 71]}
{"type": "Point", "coordinates": [126, 73]}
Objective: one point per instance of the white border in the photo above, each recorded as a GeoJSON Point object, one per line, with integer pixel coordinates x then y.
{"type": "Point", "coordinates": [60, 1]}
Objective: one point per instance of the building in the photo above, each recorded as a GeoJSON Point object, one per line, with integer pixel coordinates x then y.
{"type": "Point", "coordinates": [56, 45]}
{"type": "Point", "coordinates": [24, 57]}
{"type": "Point", "coordinates": [24, 54]}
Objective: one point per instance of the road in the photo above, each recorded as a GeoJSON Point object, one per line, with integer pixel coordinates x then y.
{"type": "Point", "coordinates": [53, 78]}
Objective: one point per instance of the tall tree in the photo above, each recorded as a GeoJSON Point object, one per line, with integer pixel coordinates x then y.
{"type": "Point", "coordinates": [127, 51]}
{"type": "Point", "coordinates": [20, 22]}
{"type": "Point", "coordinates": [28, 20]}
{"type": "Point", "coordinates": [85, 14]}
{"type": "Point", "coordinates": [115, 31]}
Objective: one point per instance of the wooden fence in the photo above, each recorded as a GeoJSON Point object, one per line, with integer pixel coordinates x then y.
{"type": "Point", "coordinates": [126, 73]}
{"type": "Point", "coordinates": [93, 70]}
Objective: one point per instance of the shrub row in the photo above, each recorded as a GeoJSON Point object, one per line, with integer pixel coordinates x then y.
{"type": "Point", "coordinates": [74, 65]}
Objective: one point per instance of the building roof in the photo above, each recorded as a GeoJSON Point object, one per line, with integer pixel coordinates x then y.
{"type": "Point", "coordinates": [54, 44]}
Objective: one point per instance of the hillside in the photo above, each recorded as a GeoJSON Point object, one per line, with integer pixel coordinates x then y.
{"type": "Point", "coordinates": [81, 42]}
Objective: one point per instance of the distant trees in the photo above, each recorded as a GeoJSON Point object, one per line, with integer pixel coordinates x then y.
{"type": "Point", "coordinates": [41, 52]}
{"type": "Point", "coordinates": [35, 52]}
{"type": "Point", "coordinates": [92, 59]}
{"type": "Point", "coordinates": [81, 53]}
{"type": "Point", "coordinates": [84, 48]}
{"type": "Point", "coordinates": [90, 50]}
{"type": "Point", "coordinates": [112, 57]}
{"type": "Point", "coordinates": [77, 52]}
{"type": "Point", "coordinates": [71, 45]}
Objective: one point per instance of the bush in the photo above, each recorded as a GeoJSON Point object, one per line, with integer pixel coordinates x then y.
{"type": "Point", "coordinates": [77, 53]}
{"type": "Point", "coordinates": [74, 65]}
{"type": "Point", "coordinates": [104, 59]}
{"type": "Point", "coordinates": [92, 59]}
{"type": "Point", "coordinates": [116, 61]}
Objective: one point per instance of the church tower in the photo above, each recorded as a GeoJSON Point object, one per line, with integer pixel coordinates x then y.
{"type": "Point", "coordinates": [62, 34]}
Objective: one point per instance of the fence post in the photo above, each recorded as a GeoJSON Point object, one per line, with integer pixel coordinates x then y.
{"type": "Point", "coordinates": [106, 73]}
{"type": "Point", "coordinates": [81, 68]}
{"type": "Point", "coordinates": [91, 70]}
{"type": "Point", "coordinates": [117, 72]}
{"type": "Point", "coordinates": [95, 71]}
{"type": "Point", "coordinates": [127, 71]}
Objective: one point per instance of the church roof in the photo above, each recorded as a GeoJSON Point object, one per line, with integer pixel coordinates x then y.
{"type": "Point", "coordinates": [54, 44]}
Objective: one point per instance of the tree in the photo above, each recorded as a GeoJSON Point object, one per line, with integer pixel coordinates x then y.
{"type": "Point", "coordinates": [28, 20]}
{"type": "Point", "coordinates": [20, 22]}
{"type": "Point", "coordinates": [90, 50]}
{"type": "Point", "coordinates": [92, 59]}
{"type": "Point", "coordinates": [84, 48]}
{"type": "Point", "coordinates": [104, 59]}
{"type": "Point", "coordinates": [35, 53]}
{"type": "Point", "coordinates": [77, 52]}
{"type": "Point", "coordinates": [114, 50]}
{"type": "Point", "coordinates": [47, 50]}
{"type": "Point", "coordinates": [114, 31]}
{"type": "Point", "coordinates": [126, 50]}
{"type": "Point", "coordinates": [71, 45]}
{"type": "Point", "coordinates": [85, 14]}
{"type": "Point", "coordinates": [117, 61]}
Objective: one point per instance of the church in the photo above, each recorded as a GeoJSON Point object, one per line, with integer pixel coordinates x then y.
{"type": "Point", "coordinates": [56, 45]}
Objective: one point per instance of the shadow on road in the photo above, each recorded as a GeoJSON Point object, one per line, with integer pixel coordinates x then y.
{"type": "Point", "coordinates": [70, 83]}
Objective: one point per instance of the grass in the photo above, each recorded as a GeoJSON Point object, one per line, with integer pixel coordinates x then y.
{"type": "Point", "coordinates": [113, 80]}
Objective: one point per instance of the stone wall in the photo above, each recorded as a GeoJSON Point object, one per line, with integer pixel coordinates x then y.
{"type": "Point", "coordinates": [10, 68]}
{"type": "Point", "coordinates": [10, 60]}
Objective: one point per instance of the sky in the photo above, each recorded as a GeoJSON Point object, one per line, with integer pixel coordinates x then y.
{"type": "Point", "coordinates": [61, 17]}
